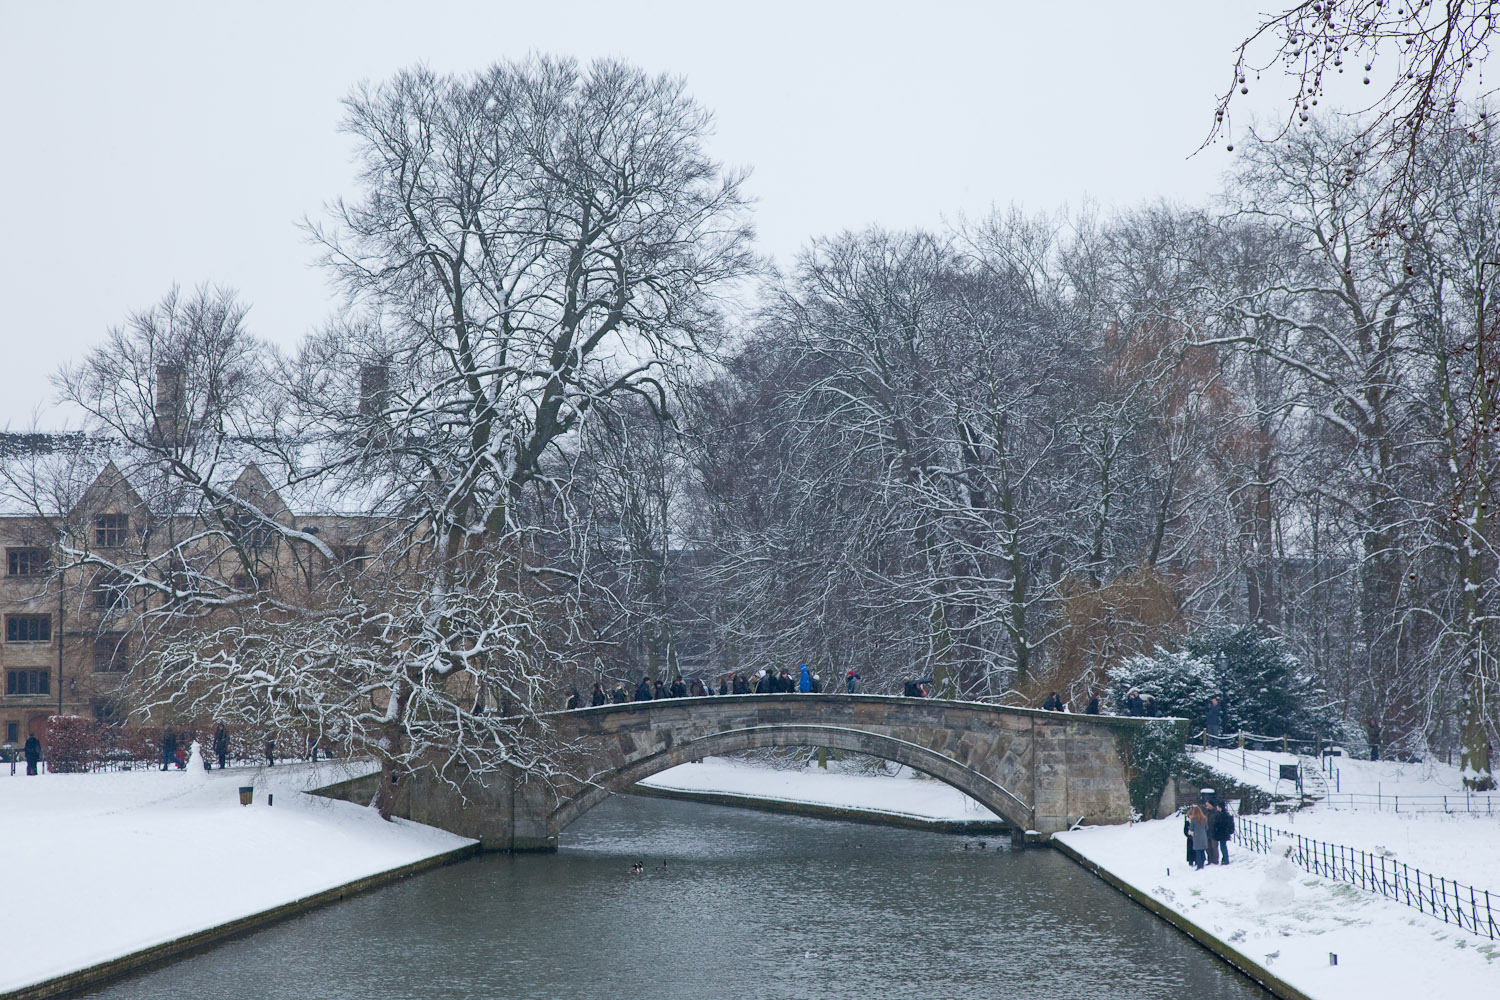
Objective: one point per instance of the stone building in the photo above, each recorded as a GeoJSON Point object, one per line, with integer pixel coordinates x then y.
{"type": "Point", "coordinates": [71, 636]}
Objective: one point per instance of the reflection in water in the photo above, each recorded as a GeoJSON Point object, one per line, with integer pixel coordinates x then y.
{"type": "Point", "coordinates": [749, 905]}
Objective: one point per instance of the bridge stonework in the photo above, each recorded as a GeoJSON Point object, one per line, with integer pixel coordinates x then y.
{"type": "Point", "coordinates": [1038, 770]}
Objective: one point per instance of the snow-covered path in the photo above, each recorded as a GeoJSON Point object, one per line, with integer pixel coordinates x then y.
{"type": "Point", "coordinates": [1290, 921]}
{"type": "Point", "coordinates": [104, 865]}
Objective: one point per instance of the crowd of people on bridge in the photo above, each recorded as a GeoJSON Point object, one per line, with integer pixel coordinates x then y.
{"type": "Point", "coordinates": [769, 681]}
{"type": "Point", "coordinates": [807, 681]}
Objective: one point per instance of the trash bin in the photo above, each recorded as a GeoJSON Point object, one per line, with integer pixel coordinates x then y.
{"type": "Point", "coordinates": [246, 791]}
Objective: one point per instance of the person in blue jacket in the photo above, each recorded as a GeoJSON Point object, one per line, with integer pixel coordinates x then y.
{"type": "Point", "coordinates": [804, 682]}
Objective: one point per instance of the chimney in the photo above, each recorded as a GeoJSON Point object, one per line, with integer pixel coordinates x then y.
{"type": "Point", "coordinates": [374, 385]}
{"type": "Point", "coordinates": [169, 402]}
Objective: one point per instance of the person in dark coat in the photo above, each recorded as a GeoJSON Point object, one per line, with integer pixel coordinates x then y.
{"type": "Point", "coordinates": [598, 697]}
{"type": "Point", "coordinates": [1148, 707]}
{"type": "Point", "coordinates": [1133, 704]}
{"type": "Point", "coordinates": [643, 690]}
{"type": "Point", "coordinates": [1053, 703]}
{"type": "Point", "coordinates": [816, 684]}
{"type": "Point", "coordinates": [168, 749]}
{"type": "Point", "coordinates": [679, 689]}
{"type": "Point", "coordinates": [851, 680]}
{"type": "Point", "coordinates": [1093, 707]}
{"type": "Point", "coordinates": [618, 695]}
{"type": "Point", "coordinates": [763, 683]}
{"type": "Point", "coordinates": [1222, 831]}
{"type": "Point", "coordinates": [1211, 813]}
{"type": "Point", "coordinates": [723, 685]}
{"type": "Point", "coordinates": [270, 749]}
{"type": "Point", "coordinates": [574, 699]}
{"type": "Point", "coordinates": [221, 744]}
{"type": "Point", "coordinates": [1214, 717]}
{"type": "Point", "coordinates": [659, 690]}
{"type": "Point", "coordinates": [33, 753]}
{"type": "Point", "coordinates": [697, 689]}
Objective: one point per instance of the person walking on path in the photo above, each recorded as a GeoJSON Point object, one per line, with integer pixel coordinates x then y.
{"type": "Point", "coordinates": [33, 753]}
{"type": "Point", "coordinates": [618, 695]}
{"type": "Point", "coordinates": [575, 700]}
{"type": "Point", "coordinates": [1222, 830]}
{"type": "Point", "coordinates": [1196, 828]}
{"type": "Point", "coordinates": [221, 744]}
{"type": "Point", "coordinates": [168, 749]}
{"type": "Point", "coordinates": [1214, 717]}
{"type": "Point", "coordinates": [598, 697]}
{"type": "Point", "coordinates": [1093, 708]}
{"type": "Point", "coordinates": [1134, 707]}
{"type": "Point", "coordinates": [271, 749]}
{"type": "Point", "coordinates": [804, 680]}
{"type": "Point", "coordinates": [643, 690]}
{"type": "Point", "coordinates": [851, 680]}
{"type": "Point", "coordinates": [1053, 703]}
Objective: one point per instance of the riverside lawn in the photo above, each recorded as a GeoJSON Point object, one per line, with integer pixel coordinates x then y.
{"type": "Point", "coordinates": [117, 862]}
{"type": "Point", "coordinates": [110, 864]}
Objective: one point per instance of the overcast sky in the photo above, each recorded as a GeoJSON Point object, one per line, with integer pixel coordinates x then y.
{"type": "Point", "coordinates": [147, 143]}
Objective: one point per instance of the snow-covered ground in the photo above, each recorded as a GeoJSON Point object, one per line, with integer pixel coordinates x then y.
{"type": "Point", "coordinates": [904, 793]}
{"type": "Point", "coordinates": [1290, 921]}
{"type": "Point", "coordinates": [1370, 782]}
{"type": "Point", "coordinates": [1459, 845]}
{"type": "Point", "coordinates": [103, 865]}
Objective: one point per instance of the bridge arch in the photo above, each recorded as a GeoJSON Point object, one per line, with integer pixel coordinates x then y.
{"type": "Point", "coordinates": [977, 786]}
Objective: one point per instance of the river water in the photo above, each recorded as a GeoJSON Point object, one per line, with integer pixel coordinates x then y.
{"type": "Point", "coordinates": [748, 905]}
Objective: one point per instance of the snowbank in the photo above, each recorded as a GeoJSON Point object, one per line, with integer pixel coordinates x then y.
{"type": "Point", "coordinates": [116, 863]}
{"type": "Point", "coordinates": [906, 793]}
{"type": "Point", "coordinates": [1290, 921]}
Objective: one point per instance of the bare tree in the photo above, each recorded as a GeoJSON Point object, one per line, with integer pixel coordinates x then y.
{"type": "Point", "coordinates": [1419, 55]}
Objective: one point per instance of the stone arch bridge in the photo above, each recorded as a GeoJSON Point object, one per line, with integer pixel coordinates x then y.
{"type": "Point", "coordinates": [1037, 770]}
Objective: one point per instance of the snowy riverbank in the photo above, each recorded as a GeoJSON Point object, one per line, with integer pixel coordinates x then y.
{"type": "Point", "coordinates": [902, 793]}
{"type": "Point", "coordinates": [106, 865]}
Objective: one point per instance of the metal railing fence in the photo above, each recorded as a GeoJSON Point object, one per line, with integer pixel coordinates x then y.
{"type": "Point", "coordinates": [1465, 906]}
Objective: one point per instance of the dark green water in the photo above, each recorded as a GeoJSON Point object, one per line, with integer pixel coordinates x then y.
{"type": "Point", "coordinates": [750, 905]}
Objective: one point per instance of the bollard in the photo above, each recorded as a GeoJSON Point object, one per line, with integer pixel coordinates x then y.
{"type": "Point", "coordinates": [270, 798]}
{"type": "Point", "coordinates": [1333, 959]}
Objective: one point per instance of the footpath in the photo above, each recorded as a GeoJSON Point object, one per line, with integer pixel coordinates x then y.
{"type": "Point", "coordinates": [1278, 923]}
{"type": "Point", "coordinates": [123, 870]}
